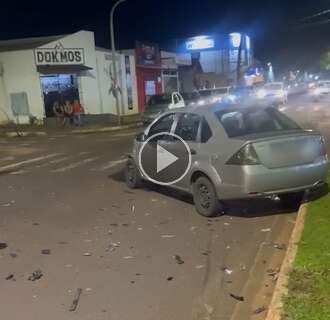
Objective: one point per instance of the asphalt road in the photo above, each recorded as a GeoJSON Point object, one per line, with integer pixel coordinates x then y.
{"type": "Point", "coordinates": [142, 254]}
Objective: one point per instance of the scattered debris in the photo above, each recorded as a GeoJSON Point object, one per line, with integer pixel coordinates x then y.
{"type": "Point", "coordinates": [238, 298]}
{"type": "Point", "coordinates": [88, 289]}
{"type": "Point", "coordinates": [45, 251]}
{"type": "Point", "coordinates": [170, 278]}
{"type": "Point", "coordinates": [154, 200]}
{"type": "Point", "coordinates": [168, 236]}
{"type": "Point", "coordinates": [280, 246]}
{"type": "Point", "coordinates": [226, 224]}
{"type": "Point", "coordinates": [13, 255]}
{"type": "Point", "coordinates": [8, 204]}
{"type": "Point", "coordinates": [178, 259]}
{"type": "Point", "coordinates": [242, 267]}
{"type": "Point", "coordinates": [193, 228]}
{"type": "Point", "coordinates": [227, 271]}
{"type": "Point", "coordinates": [68, 265]}
{"type": "Point", "coordinates": [87, 254]}
{"type": "Point", "coordinates": [208, 308]}
{"type": "Point", "coordinates": [75, 301]}
{"type": "Point", "coordinates": [273, 273]}
{"type": "Point", "coordinates": [36, 275]}
{"type": "Point", "coordinates": [266, 230]}
{"type": "Point", "coordinates": [132, 282]}
{"type": "Point", "coordinates": [10, 277]}
{"type": "Point", "coordinates": [259, 310]}
{"type": "Point", "coordinates": [102, 209]}
{"type": "Point", "coordinates": [36, 224]}
{"type": "Point", "coordinates": [112, 246]}
{"type": "Point", "coordinates": [114, 224]}
{"type": "Point", "coordinates": [125, 224]}
{"type": "Point", "coordinates": [3, 245]}
{"type": "Point", "coordinates": [140, 228]}
{"type": "Point", "coordinates": [133, 208]}
{"type": "Point", "coordinates": [201, 266]}
{"type": "Point", "coordinates": [228, 247]}
{"type": "Point", "coordinates": [128, 257]}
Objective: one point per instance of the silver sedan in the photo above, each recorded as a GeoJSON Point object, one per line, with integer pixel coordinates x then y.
{"type": "Point", "coordinates": [238, 152]}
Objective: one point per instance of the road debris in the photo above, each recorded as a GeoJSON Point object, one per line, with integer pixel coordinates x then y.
{"type": "Point", "coordinates": [168, 236]}
{"type": "Point", "coordinates": [45, 251]}
{"type": "Point", "coordinates": [226, 224]}
{"type": "Point", "coordinates": [227, 271]}
{"type": "Point", "coordinates": [201, 266]}
{"type": "Point", "coordinates": [208, 308]}
{"type": "Point", "coordinates": [10, 277]}
{"type": "Point", "coordinates": [178, 259]}
{"type": "Point", "coordinates": [273, 273]}
{"type": "Point", "coordinates": [259, 310]}
{"type": "Point", "coordinates": [112, 246]}
{"type": "Point", "coordinates": [170, 278]}
{"type": "Point", "coordinates": [242, 267]}
{"type": "Point", "coordinates": [75, 301]}
{"type": "Point", "coordinates": [133, 208]}
{"type": "Point", "coordinates": [3, 245]}
{"type": "Point", "coordinates": [36, 275]}
{"type": "Point", "coordinates": [266, 230]}
{"type": "Point", "coordinates": [87, 254]}
{"type": "Point", "coordinates": [13, 255]}
{"type": "Point", "coordinates": [125, 224]}
{"type": "Point", "coordinates": [8, 204]}
{"type": "Point", "coordinates": [193, 228]}
{"type": "Point", "coordinates": [128, 257]}
{"type": "Point", "coordinates": [279, 246]}
{"type": "Point", "coordinates": [236, 297]}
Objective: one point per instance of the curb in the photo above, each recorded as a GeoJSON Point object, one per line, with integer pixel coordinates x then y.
{"type": "Point", "coordinates": [107, 129]}
{"type": "Point", "coordinates": [276, 304]}
{"type": "Point", "coordinates": [20, 134]}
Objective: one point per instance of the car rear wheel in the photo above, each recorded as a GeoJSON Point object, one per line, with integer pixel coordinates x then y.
{"type": "Point", "coordinates": [206, 201]}
{"type": "Point", "coordinates": [132, 175]}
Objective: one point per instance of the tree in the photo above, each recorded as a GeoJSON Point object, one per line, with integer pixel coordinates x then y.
{"type": "Point", "coordinates": [325, 61]}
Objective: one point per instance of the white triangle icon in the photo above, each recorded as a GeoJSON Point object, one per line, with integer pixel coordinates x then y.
{"type": "Point", "coordinates": [164, 158]}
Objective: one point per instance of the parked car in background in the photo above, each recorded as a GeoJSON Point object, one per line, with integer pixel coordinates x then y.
{"type": "Point", "coordinates": [191, 98]}
{"type": "Point", "coordinates": [209, 96]}
{"type": "Point", "coordinates": [237, 153]}
{"type": "Point", "coordinates": [322, 88]}
{"type": "Point", "coordinates": [240, 94]}
{"type": "Point", "coordinates": [160, 103]}
{"type": "Point", "coordinates": [273, 93]}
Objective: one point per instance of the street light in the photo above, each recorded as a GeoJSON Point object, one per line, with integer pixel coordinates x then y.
{"type": "Point", "coordinates": [113, 49]}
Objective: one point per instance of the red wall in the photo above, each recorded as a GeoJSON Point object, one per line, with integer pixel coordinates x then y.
{"type": "Point", "coordinates": [146, 74]}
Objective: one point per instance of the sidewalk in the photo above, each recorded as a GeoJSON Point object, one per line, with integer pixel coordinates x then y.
{"type": "Point", "coordinates": [12, 131]}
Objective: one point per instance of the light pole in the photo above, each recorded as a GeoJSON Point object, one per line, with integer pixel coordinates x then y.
{"type": "Point", "coordinates": [113, 49]}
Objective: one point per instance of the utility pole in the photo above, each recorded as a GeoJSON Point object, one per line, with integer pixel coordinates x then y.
{"type": "Point", "coordinates": [113, 49]}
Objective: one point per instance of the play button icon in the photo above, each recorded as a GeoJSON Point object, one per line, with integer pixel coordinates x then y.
{"type": "Point", "coordinates": [164, 158]}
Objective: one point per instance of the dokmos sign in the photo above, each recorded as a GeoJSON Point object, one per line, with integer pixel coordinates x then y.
{"type": "Point", "coordinates": [59, 56]}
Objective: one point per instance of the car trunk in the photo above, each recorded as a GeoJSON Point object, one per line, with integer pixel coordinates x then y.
{"type": "Point", "coordinates": [289, 150]}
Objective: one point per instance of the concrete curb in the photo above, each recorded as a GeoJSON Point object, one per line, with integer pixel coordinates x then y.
{"type": "Point", "coordinates": [276, 304]}
{"type": "Point", "coordinates": [14, 134]}
{"type": "Point", "coordinates": [107, 129]}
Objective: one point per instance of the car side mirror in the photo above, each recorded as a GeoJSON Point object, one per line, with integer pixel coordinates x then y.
{"type": "Point", "coordinates": [141, 137]}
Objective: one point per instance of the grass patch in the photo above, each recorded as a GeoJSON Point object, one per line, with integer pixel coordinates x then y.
{"type": "Point", "coordinates": [309, 280]}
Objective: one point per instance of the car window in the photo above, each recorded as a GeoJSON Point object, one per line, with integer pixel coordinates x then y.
{"type": "Point", "coordinates": [187, 127]}
{"type": "Point", "coordinates": [206, 133]}
{"type": "Point", "coordinates": [164, 124]}
{"type": "Point", "coordinates": [254, 120]}
{"type": "Point", "coordinates": [158, 100]}
{"type": "Point", "coordinates": [175, 98]}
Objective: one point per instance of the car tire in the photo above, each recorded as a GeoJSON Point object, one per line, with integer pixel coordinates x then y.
{"type": "Point", "coordinates": [132, 175]}
{"type": "Point", "coordinates": [290, 200]}
{"type": "Point", "coordinates": [206, 201]}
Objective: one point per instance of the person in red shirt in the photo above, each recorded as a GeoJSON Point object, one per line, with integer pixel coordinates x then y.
{"type": "Point", "coordinates": [77, 111]}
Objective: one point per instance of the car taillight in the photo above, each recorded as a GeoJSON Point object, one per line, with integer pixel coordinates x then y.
{"type": "Point", "coordinates": [245, 157]}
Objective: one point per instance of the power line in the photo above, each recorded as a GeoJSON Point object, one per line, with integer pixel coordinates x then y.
{"type": "Point", "coordinates": [316, 15]}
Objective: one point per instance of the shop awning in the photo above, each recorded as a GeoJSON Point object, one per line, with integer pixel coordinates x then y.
{"type": "Point", "coordinates": [62, 69]}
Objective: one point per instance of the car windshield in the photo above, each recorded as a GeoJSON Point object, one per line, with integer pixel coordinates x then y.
{"type": "Point", "coordinates": [273, 86]}
{"type": "Point", "coordinates": [247, 121]}
{"type": "Point", "coordinates": [158, 100]}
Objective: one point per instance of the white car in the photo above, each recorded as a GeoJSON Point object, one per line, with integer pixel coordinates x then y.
{"type": "Point", "coordinates": [273, 92]}
{"type": "Point", "coordinates": [321, 88]}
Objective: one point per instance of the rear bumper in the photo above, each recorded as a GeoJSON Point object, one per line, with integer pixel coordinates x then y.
{"type": "Point", "coordinates": [259, 181]}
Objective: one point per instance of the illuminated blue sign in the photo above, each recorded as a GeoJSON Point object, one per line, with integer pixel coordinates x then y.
{"type": "Point", "coordinates": [200, 43]}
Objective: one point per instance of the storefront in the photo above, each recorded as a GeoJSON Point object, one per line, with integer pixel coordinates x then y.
{"type": "Point", "coordinates": [37, 72]}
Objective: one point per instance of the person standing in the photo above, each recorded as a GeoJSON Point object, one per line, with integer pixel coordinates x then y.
{"type": "Point", "coordinates": [68, 109]}
{"type": "Point", "coordinates": [77, 111]}
{"type": "Point", "coordinates": [59, 113]}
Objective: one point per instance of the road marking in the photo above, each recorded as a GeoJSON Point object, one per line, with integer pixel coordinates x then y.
{"type": "Point", "coordinates": [109, 165]}
{"type": "Point", "coordinates": [21, 163]}
{"type": "Point", "coordinates": [75, 165]}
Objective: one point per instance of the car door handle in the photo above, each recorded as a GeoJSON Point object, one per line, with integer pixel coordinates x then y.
{"type": "Point", "coordinates": [193, 151]}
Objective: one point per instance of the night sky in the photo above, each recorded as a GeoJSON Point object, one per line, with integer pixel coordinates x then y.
{"type": "Point", "coordinates": [276, 27]}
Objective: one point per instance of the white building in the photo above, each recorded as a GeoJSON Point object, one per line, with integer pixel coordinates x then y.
{"type": "Point", "coordinates": [36, 72]}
